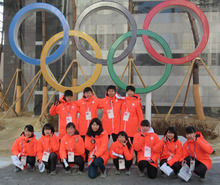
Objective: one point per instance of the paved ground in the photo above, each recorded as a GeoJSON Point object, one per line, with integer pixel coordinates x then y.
{"type": "Point", "coordinates": [8, 177]}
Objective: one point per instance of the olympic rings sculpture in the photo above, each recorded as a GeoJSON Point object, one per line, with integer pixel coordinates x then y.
{"type": "Point", "coordinates": [46, 58]}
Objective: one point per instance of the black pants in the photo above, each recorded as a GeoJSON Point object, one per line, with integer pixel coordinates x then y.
{"type": "Point", "coordinates": [127, 163]}
{"type": "Point", "coordinates": [151, 170]}
{"type": "Point", "coordinates": [30, 160]}
{"type": "Point", "coordinates": [200, 168]}
{"type": "Point", "coordinates": [114, 137]}
{"type": "Point", "coordinates": [52, 162]}
{"type": "Point", "coordinates": [176, 166]}
{"type": "Point", "coordinates": [78, 160]}
{"type": "Point", "coordinates": [86, 151]}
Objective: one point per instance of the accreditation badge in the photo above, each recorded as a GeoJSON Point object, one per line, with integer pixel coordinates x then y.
{"type": "Point", "coordinates": [126, 116]}
{"type": "Point", "coordinates": [88, 116]}
{"type": "Point", "coordinates": [192, 165]}
{"type": "Point", "coordinates": [110, 113]}
{"type": "Point", "coordinates": [23, 160]}
{"type": "Point", "coordinates": [68, 119]}
{"type": "Point", "coordinates": [45, 157]}
{"type": "Point", "coordinates": [121, 163]}
{"type": "Point", "coordinates": [147, 151]}
{"type": "Point", "coordinates": [70, 156]}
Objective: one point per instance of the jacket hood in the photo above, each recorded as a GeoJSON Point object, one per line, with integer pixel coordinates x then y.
{"type": "Point", "coordinates": [61, 99]}
{"type": "Point", "coordinates": [27, 138]}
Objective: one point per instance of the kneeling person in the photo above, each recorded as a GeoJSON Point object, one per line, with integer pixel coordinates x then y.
{"type": "Point", "coordinates": [72, 150]}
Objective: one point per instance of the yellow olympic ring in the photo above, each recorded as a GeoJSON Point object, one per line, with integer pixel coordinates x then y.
{"type": "Point", "coordinates": [43, 64]}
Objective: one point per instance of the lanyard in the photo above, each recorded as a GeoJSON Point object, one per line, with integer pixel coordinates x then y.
{"type": "Point", "coordinates": [49, 145]}
{"type": "Point", "coordinates": [69, 109]}
{"type": "Point", "coordinates": [22, 147]}
{"type": "Point", "coordinates": [170, 150]}
{"type": "Point", "coordinates": [149, 141]}
{"type": "Point", "coordinates": [194, 149]}
{"type": "Point", "coordinates": [130, 105]}
{"type": "Point", "coordinates": [90, 105]}
{"type": "Point", "coordinates": [72, 149]}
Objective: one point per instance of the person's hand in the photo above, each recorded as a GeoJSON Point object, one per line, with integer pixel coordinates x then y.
{"type": "Point", "coordinates": [93, 141]}
{"type": "Point", "coordinates": [164, 139]}
{"type": "Point", "coordinates": [39, 161]}
{"type": "Point", "coordinates": [124, 144]}
{"type": "Point", "coordinates": [183, 162]}
{"type": "Point", "coordinates": [76, 139]}
{"type": "Point", "coordinates": [56, 103]}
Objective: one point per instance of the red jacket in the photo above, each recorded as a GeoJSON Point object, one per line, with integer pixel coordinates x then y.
{"type": "Point", "coordinates": [47, 144]}
{"type": "Point", "coordinates": [133, 106]}
{"type": "Point", "coordinates": [86, 105]}
{"type": "Point", "coordinates": [25, 146]}
{"type": "Point", "coordinates": [64, 109]}
{"type": "Point", "coordinates": [100, 147]}
{"type": "Point", "coordinates": [118, 148]}
{"type": "Point", "coordinates": [111, 125]}
{"type": "Point", "coordinates": [169, 148]}
{"type": "Point", "coordinates": [201, 148]}
{"type": "Point", "coordinates": [69, 144]}
{"type": "Point", "coordinates": [150, 140]}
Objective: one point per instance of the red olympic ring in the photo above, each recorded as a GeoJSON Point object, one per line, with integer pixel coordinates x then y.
{"type": "Point", "coordinates": [202, 21]}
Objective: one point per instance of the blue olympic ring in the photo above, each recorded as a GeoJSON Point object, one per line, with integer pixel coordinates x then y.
{"type": "Point", "coordinates": [19, 18]}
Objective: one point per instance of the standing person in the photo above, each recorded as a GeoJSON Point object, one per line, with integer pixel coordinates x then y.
{"type": "Point", "coordinates": [171, 150]}
{"type": "Point", "coordinates": [111, 115]}
{"type": "Point", "coordinates": [72, 149]}
{"type": "Point", "coordinates": [121, 151]}
{"type": "Point", "coordinates": [196, 151]}
{"type": "Point", "coordinates": [25, 148]}
{"type": "Point", "coordinates": [88, 106]}
{"type": "Point", "coordinates": [96, 142]}
{"type": "Point", "coordinates": [131, 113]}
{"type": "Point", "coordinates": [66, 109]}
{"type": "Point", "coordinates": [48, 148]}
{"type": "Point", "coordinates": [144, 142]}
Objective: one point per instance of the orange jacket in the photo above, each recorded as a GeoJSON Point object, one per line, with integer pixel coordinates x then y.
{"type": "Point", "coordinates": [133, 106]}
{"type": "Point", "coordinates": [25, 146]}
{"type": "Point", "coordinates": [111, 125]}
{"type": "Point", "coordinates": [200, 149]}
{"type": "Point", "coordinates": [64, 109]}
{"type": "Point", "coordinates": [100, 147]}
{"type": "Point", "coordinates": [150, 140]}
{"type": "Point", "coordinates": [118, 148]}
{"type": "Point", "coordinates": [86, 105]}
{"type": "Point", "coordinates": [69, 144]}
{"type": "Point", "coordinates": [169, 148]}
{"type": "Point", "coordinates": [47, 144]}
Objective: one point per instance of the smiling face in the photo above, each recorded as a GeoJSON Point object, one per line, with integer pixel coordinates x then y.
{"type": "Point", "coordinates": [68, 98]}
{"type": "Point", "coordinates": [170, 135]}
{"type": "Point", "coordinates": [27, 133]}
{"type": "Point", "coordinates": [47, 132]}
{"type": "Point", "coordinates": [95, 127]}
{"type": "Point", "coordinates": [130, 93]}
{"type": "Point", "coordinates": [145, 129]}
{"type": "Point", "coordinates": [88, 94]}
{"type": "Point", "coordinates": [111, 92]}
{"type": "Point", "coordinates": [190, 136]}
{"type": "Point", "coordinates": [70, 131]}
{"type": "Point", "coordinates": [121, 139]}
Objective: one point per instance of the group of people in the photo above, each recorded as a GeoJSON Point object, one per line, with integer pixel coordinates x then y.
{"type": "Point", "coordinates": [86, 140]}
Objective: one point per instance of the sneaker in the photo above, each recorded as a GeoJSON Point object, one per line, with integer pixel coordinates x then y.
{"type": "Point", "coordinates": [16, 169]}
{"type": "Point", "coordinates": [79, 172]}
{"type": "Point", "coordinates": [103, 174]}
{"type": "Point", "coordinates": [141, 174]}
{"type": "Point", "coordinates": [117, 172]}
{"type": "Point", "coordinates": [203, 179]}
{"type": "Point", "coordinates": [68, 171]}
{"type": "Point", "coordinates": [53, 172]}
{"type": "Point", "coordinates": [128, 172]}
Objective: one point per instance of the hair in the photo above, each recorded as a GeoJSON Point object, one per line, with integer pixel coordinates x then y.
{"type": "Point", "coordinates": [90, 132]}
{"type": "Point", "coordinates": [47, 126]}
{"type": "Point", "coordinates": [87, 89]}
{"type": "Point", "coordinates": [145, 123]}
{"type": "Point", "coordinates": [71, 124]}
{"type": "Point", "coordinates": [30, 128]}
{"type": "Point", "coordinates": [68, 93]}
{"type": "Point", "coordinates": [129, 87]}
{"type": "Point", "coordinates": [122, 133]}
{"type": "Point", "coordinates": [172, 130]}
{"type": "Point", "coordinates": [190, 129]}
{"type": "Point", "coordinates": [111, 87]}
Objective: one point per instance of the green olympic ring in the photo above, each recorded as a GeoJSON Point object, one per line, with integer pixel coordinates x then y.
{"type": "Point", "coordinates": [160, 41]}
